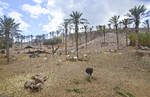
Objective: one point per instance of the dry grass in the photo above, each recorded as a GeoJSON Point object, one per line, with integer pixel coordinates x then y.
{"type": "Point", "coordinates": [121, 69]}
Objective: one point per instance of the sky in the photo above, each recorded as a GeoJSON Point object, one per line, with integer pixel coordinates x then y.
{"type": "Point", "coordinates": [43, 16]}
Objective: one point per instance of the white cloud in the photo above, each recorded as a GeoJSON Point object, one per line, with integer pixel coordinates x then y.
{"type": "Point", "coordinates": [18, 18]}
{"type": "Point", "coordinates": [96, 11]}
{"type": "Point", "coordinates": [3, 6]}
{"type": "Point", "coordinates": [54, 22]}
{"type": "Point", "coordinates": [35, 10]}
{"type": "Point", "coordinates": [51, 3]}
{"type": "Point", "coordinates": [38, 1]}
{"type": "Point", "coordinates": [1, 12]}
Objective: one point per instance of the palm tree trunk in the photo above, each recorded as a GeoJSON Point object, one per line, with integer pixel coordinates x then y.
{"type": "Point", "coordinates": [7, 47]}
{"type": "Point", "coordinates": [66, 40]}
{"type": "Point", "coordinates": [137, 42]}
{"type": "Point", "coordinates": [86, 38]}
{"type": "Point", "coordinates": [117, 38]}
{"type": "Point", "coordinates": [76, 31]}
{"type": "Point", "coordinates": [21, 43]}
{"type": "Point", "coordinates": [72, 39]}
{"type": "Point", "coordinates": [126, 36]}
{"type": "Point", "coordinates": [104, 36]}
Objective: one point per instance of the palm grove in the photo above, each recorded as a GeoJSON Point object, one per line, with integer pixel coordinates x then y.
{"type": "Point", "coordinates": [9, 29]}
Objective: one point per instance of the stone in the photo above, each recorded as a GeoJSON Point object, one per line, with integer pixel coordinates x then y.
{"type": "Point", "coordinates": [28, 84]}
{"type": "Point", "coordinates": [143, 48]}
{"type": "Point", "coordinates": [36, 84]}
{"type": "Point", "coordinates": [37, 87]}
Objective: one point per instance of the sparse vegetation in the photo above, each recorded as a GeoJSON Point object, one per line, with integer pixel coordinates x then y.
{"type": "Point", "coordinates": [143, 39]}
{"type": "Point", "coordinates": [53, 41]}
{"type": "Point", "coordinates": [123, 92]}
{"type": "Point", "coordinates": [76, 82]}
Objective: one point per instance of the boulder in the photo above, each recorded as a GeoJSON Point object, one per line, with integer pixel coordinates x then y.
{"type": "Point", "coordinates": [29, 83]}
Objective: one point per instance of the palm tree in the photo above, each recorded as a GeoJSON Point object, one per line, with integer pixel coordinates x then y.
{"type": "Point", "coordinates": [135, 14]}
{"type": "Point", "coordinates": [22, 38]}
{"type": "Point", "coordinates": [66, 23]}
{"type": "Point", "coordinates": [57, 32]}
{"type": "Point", "coordinates": [76, 19]}
{"type": "Point", "coordinates": [109, 26]}
{"type": "Point", "coordinates": [100, 29]}
{"type": "Point", "coordinates": [85, 28]}
{"type": "Point", "coordinates": [28, 39]}
{"type": "Point", "coordinates": [8, 26]}
{"type": "Point", "coordinates": [126, 22]}
{"type": "Point", "coordinates": [91, 28]}
{"type": "Point", "coordinates": [146, 23]}
{"type": "Point", "coordinates": [115, 20]}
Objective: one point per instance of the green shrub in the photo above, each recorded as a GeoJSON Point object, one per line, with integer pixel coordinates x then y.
{"type": "Point", "coordinates": [143, 38]}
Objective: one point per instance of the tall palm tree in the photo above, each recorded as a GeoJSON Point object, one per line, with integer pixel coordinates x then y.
{"type": "Point", "coordinates": [8, 26]}
{"type": "Point", "coordinates": [66, 23]}
{"type": "Point", "coordinates": [57, 32]}
{"type": "Point", "coordinates": [115, 21]}
{"type": "Point", "coordinates": [126, 22]}
{"type": "Point", "coordinates": [134, 14]}
{"type": "Point", "coordinates": [76, 19]}
{"type": "Point", "coordinates": [85, 31]}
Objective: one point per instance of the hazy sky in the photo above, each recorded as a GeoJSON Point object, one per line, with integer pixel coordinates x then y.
{"type": "Point", "coordinates": [43, 16]}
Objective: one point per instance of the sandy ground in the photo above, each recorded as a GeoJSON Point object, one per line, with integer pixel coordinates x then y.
{"type": "Point", "coordinates": [111, 69]}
